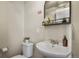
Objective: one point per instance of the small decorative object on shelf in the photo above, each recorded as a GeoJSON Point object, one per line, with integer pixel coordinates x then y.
{"type": "Point", "coordinates": [64, 20]}
{"type": "Point", "coordinates": [48, 20]}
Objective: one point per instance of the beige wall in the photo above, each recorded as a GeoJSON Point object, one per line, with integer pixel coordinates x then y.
{"type": "Point", "coordinates": [15, 15]}
{"type": "Point", "coordinates": [75, 22]}
{"type": "Point", "coordinates": [32, 22]}
{"type": "Point", "coordinates": [3, 25]}
{"type": "Point", "coordinates": [34, 29]}
{"type": "Point", "coordinates": [11, 26]}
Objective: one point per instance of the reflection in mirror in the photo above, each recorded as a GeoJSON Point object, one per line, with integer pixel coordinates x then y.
{"type": "Point", "coordinates": [57, 12]}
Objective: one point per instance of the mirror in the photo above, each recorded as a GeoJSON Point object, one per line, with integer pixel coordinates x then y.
{"type": "Point", "coordinates": [57, 12]}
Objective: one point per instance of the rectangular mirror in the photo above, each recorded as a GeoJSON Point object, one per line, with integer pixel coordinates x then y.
{"type": "Point", "coordinates": [57, 12]}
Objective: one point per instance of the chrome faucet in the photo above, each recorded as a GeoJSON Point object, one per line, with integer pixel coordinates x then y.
{"type": "Point", "coordinates": [54, 41]}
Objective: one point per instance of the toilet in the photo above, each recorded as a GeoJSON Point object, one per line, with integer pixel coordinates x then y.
{"type": "Point", "coordinates": [27, 50]}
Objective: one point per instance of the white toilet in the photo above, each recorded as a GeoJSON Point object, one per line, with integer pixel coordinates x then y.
{"type": "Point", "coordinates": [27, 51]}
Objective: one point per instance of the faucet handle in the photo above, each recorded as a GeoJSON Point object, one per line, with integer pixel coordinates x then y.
{"type": "Point", "coordinates": [54, 41]}
{"type": "Point", "coordinates": [57, 42]}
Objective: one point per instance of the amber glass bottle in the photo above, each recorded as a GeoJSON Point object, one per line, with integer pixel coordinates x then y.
{"type": "Point", "coordinates": [65, 41]}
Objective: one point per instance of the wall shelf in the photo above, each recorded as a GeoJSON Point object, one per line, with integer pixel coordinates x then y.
{"type": "Point", "coordinates": [56, 24]}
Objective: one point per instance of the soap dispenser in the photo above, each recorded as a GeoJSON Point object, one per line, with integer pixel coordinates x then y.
{"type": "Point", "coordinates": [65, 41]}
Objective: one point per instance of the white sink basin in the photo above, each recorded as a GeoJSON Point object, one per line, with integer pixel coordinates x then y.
{"type": "Point", "coordinates": [54, 51]}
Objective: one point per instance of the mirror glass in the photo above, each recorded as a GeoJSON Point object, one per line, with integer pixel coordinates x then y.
{"type": "Point", "coordinates": [57, 12]}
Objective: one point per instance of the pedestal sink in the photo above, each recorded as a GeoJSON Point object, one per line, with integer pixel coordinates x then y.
{"type": "Point", "coordinates": [53, 51]}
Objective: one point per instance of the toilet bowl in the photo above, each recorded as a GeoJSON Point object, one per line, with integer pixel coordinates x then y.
{"type": "Point", "coordinates": [27, 50]}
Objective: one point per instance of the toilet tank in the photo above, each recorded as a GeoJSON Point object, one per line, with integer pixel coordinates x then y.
{"type": "Point", "coordinates": [27, 49]}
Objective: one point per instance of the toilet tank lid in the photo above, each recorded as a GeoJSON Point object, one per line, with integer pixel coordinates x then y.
{"type": "Point", "coordinates": [27, 44]}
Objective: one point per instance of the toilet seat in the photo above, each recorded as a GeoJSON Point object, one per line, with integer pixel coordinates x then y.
{"type": "Point", "coordinates": [19, 56]}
